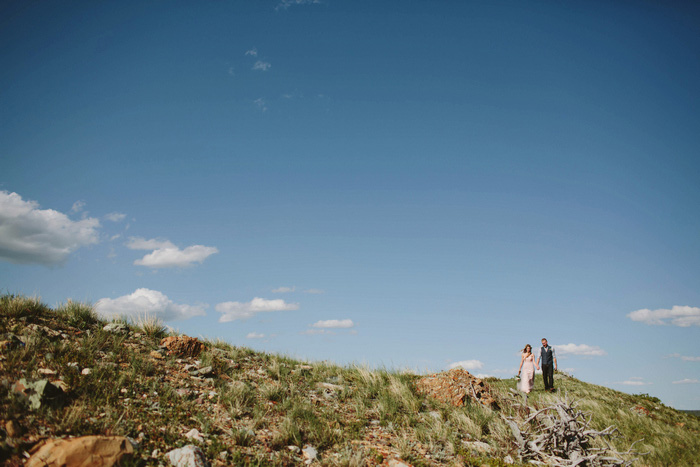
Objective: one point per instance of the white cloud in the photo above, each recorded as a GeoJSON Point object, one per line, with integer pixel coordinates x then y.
{"type": "Point", "coordinates": [314, 291]}
{"type": "Point", "coordinates": [32, 235]}
{"type": "Point", "coordinates": [683, 316]}
{"type": "Point", "coordinates": [284, 289]}
{"type": "Point", "coordinates": [334, 324]}
{"type": "Point", "coordinates": [634, 381]}
{"type": "Point", "coordinates": [115, 216]}
{"type": "Point", "coordinates": [580, 349]}
{"type": "Point", "coordinates": [262, 66]}
{"type": "Point", "coordinates": [77, 206]}
{"type": "Point", "coordinates": [231, 311]}
{"type": "Point", "coordinates": [467, 365]}
{"type": "Point", "coordinates": [167, 255]}
{"type": "Point", "coordinates": [255, 335]}
{"type": "Point", "coordinates": [687, 381]}
{"type": "Point", "coordinates": [313, 332]}
{"type": "Point", "coordinates": [252, 52]}
{"type": "Point", "coordinates": [174, 257]}
{"type": "Point", "coordinates": [147, 302]}
{"type": "Point", "coordinates": [138, 243]}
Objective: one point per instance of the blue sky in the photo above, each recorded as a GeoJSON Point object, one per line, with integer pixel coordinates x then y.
{"type": "Point", "coordinates": [399, 184]}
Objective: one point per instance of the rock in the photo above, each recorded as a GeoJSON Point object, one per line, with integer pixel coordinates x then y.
{"type": "Point", "coordinates": [478, 446]}
{"type": "Point", "coordinates": [398, 463]}
{"type": "Point", "coordinates": [13, 429]}
{"type": "Point", "coordinates": [508, 460]}
{"type": "Point", "coordinates": [456, 387]}
{"type": "Point", "coordinates": [329, 386]}
{"type": "Point", "coordinates": [157, 355]}
{"type": "Point", "coordinates": [195, 435]}
{"type": "Point", "coordinates": [87, 451]}
{"type": "Point", "coordinates": [86, 371]}
{"type": "Point", "coordinates": [116, 328]}
{"type": "Point", "coordinates": [310, 454]}
{"type": "Point", "coordinates": [182, 345]}
{"type": "Point", "coordinates": [206, 372]}
{"type": "Point", "coordinates": [188, 456]}
{"type": "Point", "coordinates": [39, 393]}
{"type": "Point", "coordinates": [46, 371]}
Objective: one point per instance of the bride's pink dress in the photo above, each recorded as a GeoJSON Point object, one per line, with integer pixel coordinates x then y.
{"type": "Point", "coordinates": [527, 374]}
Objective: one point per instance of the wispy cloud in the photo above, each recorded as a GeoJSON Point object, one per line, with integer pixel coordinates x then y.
{"type": "Point", "coordinates": [685, 358]}
{"type": "Point", "coordinates": [330, 326]}
{"type": "Point", "coordinates": [115, 216]}
{"type": "Point", "coordinates": [580, 349]}
{"type": "Point", "coordinates": [285, 4]}
{"type": "Point", "coordinates": [255, 335]}
{"type": "Point", "coordinates": [166, 255]}
{"type": "Point", "coordinates": [262, 66]}
{"type": "Point", "coordinates": [314, 291]}
{"type": "Point", "coordinates": [633, 381]}
{"type": "Point", "coordinates": [77, 206]}
{"type": "Point", "coordinates": [147, 302]}
{"type": "Point", "coordinates": [261, 104]}
{"type": "Point", "coordinates": [334, 324]}
{"type": "Point", "coordinates": [687, 381]}
{"type": "Point", "coordinates": [284, 289]}
{"type": "Point", "coordinates": [44, 236]}
{"type": "Point", "coordinates": [231, 311]}
{"type": "Point", "coordinates": [252, 52]}
{"type": "Point", "coordinates": [682, 316]}
{"type": "Point", "coordinates": [469, 365]}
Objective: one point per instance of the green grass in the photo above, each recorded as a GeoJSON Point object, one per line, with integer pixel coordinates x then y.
{"type": "Point", "coordinates": [258, 404]}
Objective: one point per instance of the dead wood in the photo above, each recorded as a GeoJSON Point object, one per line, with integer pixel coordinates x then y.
{"type": "Point", "coordinates": [560, 435]}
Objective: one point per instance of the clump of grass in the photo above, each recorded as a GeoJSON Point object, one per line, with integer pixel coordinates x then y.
{"type": "Point", "coordinates": [239, 398]}
{"type": "Point", "coordinates": [18, 306]}
{"type": "Point", "coordinates": [82, 315]}
{"type": "Point", "coordinates": [152, 326]}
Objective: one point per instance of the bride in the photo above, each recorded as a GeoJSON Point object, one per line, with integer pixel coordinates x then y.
{"type": "Point", "coordinates": [527, 366]}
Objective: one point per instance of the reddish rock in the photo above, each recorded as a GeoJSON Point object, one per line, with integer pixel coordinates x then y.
{"type": "Point", "coordinates": [182, 345]}
{"type": "Point", "coordinates": [456, 387]}
{"type": "Point", "coordinates": [88, 451]}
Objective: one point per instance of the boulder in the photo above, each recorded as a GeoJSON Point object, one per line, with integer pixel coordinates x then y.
{"type": "Point", "coordinates": [39, 393]}
{"type": "Point", "coordinates": [456, 387]}
{"type": "Point", "coordinates": [182, 345]}
{"type": "Point", "coordinates": [87, 451]}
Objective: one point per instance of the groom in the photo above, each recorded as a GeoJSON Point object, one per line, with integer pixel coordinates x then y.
{"type": "Point", "coordinates": [549, 364]}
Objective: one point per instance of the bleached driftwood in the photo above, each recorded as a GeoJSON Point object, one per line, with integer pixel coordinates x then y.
{"type": "Point", "coordinates": [560, 435]}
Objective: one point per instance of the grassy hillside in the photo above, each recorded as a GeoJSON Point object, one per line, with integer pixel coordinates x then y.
{"type": "Point", "coordinates": [254, 408]}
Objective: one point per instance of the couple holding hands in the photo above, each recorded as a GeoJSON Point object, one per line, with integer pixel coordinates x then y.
{"type": "Point", "coordinates": [527, 367]}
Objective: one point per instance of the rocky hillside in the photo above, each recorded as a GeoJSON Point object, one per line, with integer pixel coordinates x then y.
{"type": "Point", "coordinates": [77, 389]}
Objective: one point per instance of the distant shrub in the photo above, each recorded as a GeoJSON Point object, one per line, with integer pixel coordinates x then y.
{"type": "Point", "coordinates": [649, 398]}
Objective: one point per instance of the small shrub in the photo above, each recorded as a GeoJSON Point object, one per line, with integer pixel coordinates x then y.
{"type": "Point", "coordinates": [152, 326]}
{"type": "Point", "coordinates": [17, 306]}
{"type": "Point", "coordinates": [239, 398]}
{"type": "Point", "coordinates": [79, 314]}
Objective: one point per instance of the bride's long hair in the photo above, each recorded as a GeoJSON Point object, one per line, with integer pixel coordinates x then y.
{"type": "Point", "coordinates": [527, 346]}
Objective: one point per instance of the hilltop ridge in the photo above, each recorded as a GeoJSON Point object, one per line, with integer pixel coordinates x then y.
{"type": "Point", "coordinates": [65, 374]}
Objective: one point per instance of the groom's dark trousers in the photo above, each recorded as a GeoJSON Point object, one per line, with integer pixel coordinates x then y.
{"type": "Point", "coordinates": [548, 376]}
